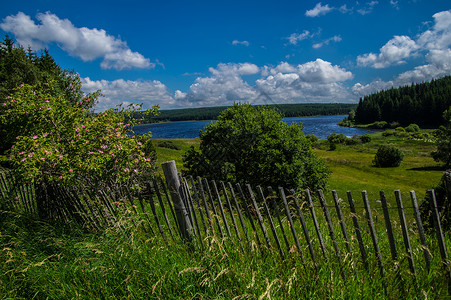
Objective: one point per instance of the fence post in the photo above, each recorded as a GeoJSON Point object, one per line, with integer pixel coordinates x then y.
{"type": "Point", "coordinates": [175, 188]}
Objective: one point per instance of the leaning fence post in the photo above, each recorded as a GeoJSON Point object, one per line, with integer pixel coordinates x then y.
{"type": "Point", "coordinates": [427, 256]}
{"type": "Point", "coordinates": [175, 188]}
{"type": "Point", "coordinates": [439, 233]}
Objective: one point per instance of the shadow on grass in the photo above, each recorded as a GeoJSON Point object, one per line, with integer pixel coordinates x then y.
{"type": "Point", "coordinates": [429, 168]}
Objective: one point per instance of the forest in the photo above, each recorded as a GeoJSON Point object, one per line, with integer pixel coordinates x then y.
{"type": "Point", "coordinates": [212, 113]}
{"type": "Point", "coordinates": [422, 104]}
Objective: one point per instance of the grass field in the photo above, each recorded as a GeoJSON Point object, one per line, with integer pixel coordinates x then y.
{"type": "Point", "coordinates": [352, 168]}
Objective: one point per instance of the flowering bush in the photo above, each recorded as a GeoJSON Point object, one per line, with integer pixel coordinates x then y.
{"type": "Point", "coordinates": [57, 140]}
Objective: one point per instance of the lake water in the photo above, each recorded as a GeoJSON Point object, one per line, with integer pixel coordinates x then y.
{"type": "Point", "coordinates": [319, 126]}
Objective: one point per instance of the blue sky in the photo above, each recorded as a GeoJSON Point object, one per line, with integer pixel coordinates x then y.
{"type": "Point", "coordinates": [181, 54]}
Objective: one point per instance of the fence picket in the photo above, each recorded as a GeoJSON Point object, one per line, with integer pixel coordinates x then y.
{"type": "Point", "coordinates": [416, 212]}
{"type": "Point", "coordinates": [229, 205]}
{"type": "Point", "coordinates": [276, 210]}
{"type": "Point", "coordinates": [391, 238]}
{"type": "Point", "coordinates": [293, 229]}
{"type": "Point", "coordinates": [215, 214]}
{"type": "Point", "coordinates": [271, 223]}
{"type": "Point", "coordinates": [322, 200]}
{"type": "Point", "coordinates": [358, 232]}
{"type": "Point", "coordinates": [259, 216]}
{"type": "Point", "coordinates": [315, 222]}
{"type": "Point", "coordinates": [243, 225]}
{"type": "Point", "coordinates": [405, 233]}
{"type": "Point", "coordinates": [249, 216]}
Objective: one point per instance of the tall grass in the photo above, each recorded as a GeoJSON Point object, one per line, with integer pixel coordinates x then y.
{"type": "Point", "coordinates": [47, 261]}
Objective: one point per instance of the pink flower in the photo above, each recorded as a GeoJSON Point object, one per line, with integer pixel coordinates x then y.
{"type": "Point", "coordinates": [147, 159]}
{"type": "Point", "coordinates": [118, 134]}
{"type": "Point", "coordinates": [103, 146]}
{"type": "Point", "coordinates": [77, 130]}
{"type": "Point", "coordinates": [21, 152]}
{"type": "Point", "coordinates": [30, 154]}
{"type": "Point", "coordinates": [35, 137]}
{"type": "Point", "coordinates": [100, 151]}
{"type": "Point", "coordinates": [45, 134]}
{"type": "Point", "coordinates": [24, 159]}
{"type": "Point", "coordinates": [70, 170]}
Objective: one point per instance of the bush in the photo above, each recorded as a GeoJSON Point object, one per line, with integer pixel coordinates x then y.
{"type": "Point", "coordinates": [365, 138]}
{"type": "Point", "coordinates": [337, 138]}
{"type": "Point", "coordinates": [388, 132]}
{"type": "Point", "coordinates": [443, 198]}
{"type": "Point", "coordinates": [332, 146]}
{"type": "Point", "coordinates": [312, 138]}
{"type": "Point", "coordinates": [252, 145]}
{"type": "Point", "coordinates": [378, 125]}
{"type": "Point", "coordinates": [400, 129]}
{"type": "Point", "coordinates": [412, 128]}
{"type": "Point", "coordinates": [353, 141]}
{"type": "Point", "coordinates": [388, 156]}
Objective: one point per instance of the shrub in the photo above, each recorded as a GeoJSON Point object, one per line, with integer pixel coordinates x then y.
{"type": "Point", "coordinates": [252, 145]}
{"type": "Point", "coordinates": [388, 132]}
{"type": "Point", "coordinates": [353, 141]}
{"type": "Point", "coordinates": [412, 128]}
{"type": "Point", "coordinates": [332, 146]}
{"type": "Point", "coordinates": [337, 138]}
{"type": "Point", "coordinates": [365, 138]}
{"type": "Point", "coordinates": [378, 125]}
{"type": "Point", "coordinates": [388, 156]}
{"type": "Point", "coordinates": [400, 129]}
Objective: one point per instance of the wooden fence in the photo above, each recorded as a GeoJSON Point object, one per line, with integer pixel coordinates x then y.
{"type": "Point", "coordinates": [278, 221]}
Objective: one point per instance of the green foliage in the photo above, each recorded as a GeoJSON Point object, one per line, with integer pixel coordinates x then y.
{"type": "Point", "coordinates": [58, 141]}
{"type": "Point", "coordinates": [365, 138]}
{"type": "Point", "coordinates": [251, 144]}
{"type": "Point", "coordinates": [420, 103]}
{"type": "Point", "coordinates": [443, 136]}
{"type": "Point", "coordinates": [312, 138]}
{"type": "Point", "coordinates": [443, 199]}
{"type": "Point", "coordinates": [337, 138]}
{"type": "Point", "coordinates": [18, 67]}
{"type": "Point", "coordinates": [388, 156]}
{"type": "Point", "coordinates": [412, 128]}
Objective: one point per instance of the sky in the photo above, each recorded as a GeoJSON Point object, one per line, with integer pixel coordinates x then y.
{"type": "Point", "coordinates": [181, 54]}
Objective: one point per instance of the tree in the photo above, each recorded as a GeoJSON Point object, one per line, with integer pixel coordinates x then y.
{"type": "Point", "coordinates": [252, 144]}
{"type": "Point", "coordinates": [443, 136]}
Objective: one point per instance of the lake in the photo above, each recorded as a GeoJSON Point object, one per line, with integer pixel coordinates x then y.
{"type": "Point", "coordinates": [320, 126]}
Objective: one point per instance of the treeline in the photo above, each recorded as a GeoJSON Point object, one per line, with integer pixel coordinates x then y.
{"type": "Point", "coordinates": [212, 113]}
{"type": "Point", "coordinates": [422, 104]}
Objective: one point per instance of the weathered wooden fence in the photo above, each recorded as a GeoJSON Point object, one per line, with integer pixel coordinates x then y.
{"type": "Point", "coordinates": [280, 222]}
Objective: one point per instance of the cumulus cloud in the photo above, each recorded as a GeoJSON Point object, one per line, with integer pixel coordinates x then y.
{"type": "Point", "coordinates": [244, 43]}
{"type": "Point", "coordinates": [335, 38]}
{"type": "Point", "coordinates": [393, 52]}
{"type": "Point", "coordinates": [317, 80]}
{"type": "Point", "coordinates": [318, 10]}
{"type": "Point", "coordinates": [147, 92]}
{"type": "Point", "coordinates": [87, 44]}
{"type": "Point", "coordinates": [434, 44]}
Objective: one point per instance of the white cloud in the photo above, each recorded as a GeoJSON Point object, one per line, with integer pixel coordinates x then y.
{"type": "Point", "coordinates": [393, 52]}
{"type": "Point", "coordinates": [434, 44]}
{"type": "Point", "coordinates": [335, 38]}
{"type": "Point", "coordinates": [87, 44]}
{"type": "Point", "coordinates": [318, 10]}
{"type": "Point", "coordinates": [368, 8]}
{"type": "Point", "coordinates": [294, 38]}
{"type": "Point", "coordinates": [317, 80]}
{"type": "Point", "coordinates": [148, 92]}
{"type": "Point", "coordinates": [244, 43]}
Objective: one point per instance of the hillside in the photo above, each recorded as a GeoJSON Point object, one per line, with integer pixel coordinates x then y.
{"type": "Point", "coordinates": [288, 110]}
{"type": "Point", "coordinates": [422, 104]}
